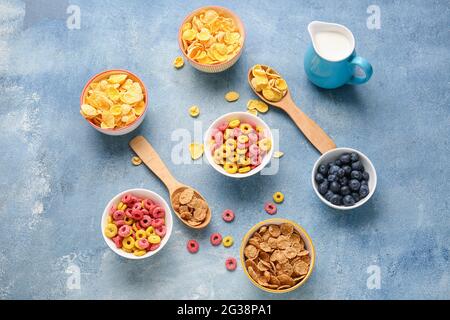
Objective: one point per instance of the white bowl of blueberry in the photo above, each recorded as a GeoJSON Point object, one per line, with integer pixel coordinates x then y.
{"type": "Point", "coordinates": [344, 178]}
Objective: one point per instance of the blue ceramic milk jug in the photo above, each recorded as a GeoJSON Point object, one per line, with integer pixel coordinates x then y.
{"type": "Point", "coordinates": [331, 60]}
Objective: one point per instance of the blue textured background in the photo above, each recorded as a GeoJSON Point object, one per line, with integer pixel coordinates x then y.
{"type": "Point", "coordinates": [57, 173]}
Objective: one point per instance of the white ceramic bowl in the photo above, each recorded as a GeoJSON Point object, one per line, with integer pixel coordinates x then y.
{"type": "Point", "coordinates": [133, 125]}
{"type": "Point", "coordinates": [334, 155]}
{"type": "Point", "coordinates": [145, 194]}
{"type": "Point", "coordinates": [243, 117]}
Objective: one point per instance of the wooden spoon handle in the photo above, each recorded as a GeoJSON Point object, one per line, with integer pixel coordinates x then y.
{"type": "Point", "coordinates": [152, 160]}
{"type": "Point", "coordinates": [310, 129]}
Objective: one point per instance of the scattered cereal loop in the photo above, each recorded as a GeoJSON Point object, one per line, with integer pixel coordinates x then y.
{"type": "Point", "coordinates": [194, 111]}
{"type": "Point", "coordinates": [136, 161]}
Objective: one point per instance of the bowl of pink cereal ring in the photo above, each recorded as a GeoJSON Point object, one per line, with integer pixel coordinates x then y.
{"type": "Point", "coordinates": [136, 223]}
{"type": "Point", "coordinates": [238, 144]}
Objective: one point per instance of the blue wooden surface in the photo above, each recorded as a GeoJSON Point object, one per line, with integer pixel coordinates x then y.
{"type": "Point", "coordinates": [58, 173]}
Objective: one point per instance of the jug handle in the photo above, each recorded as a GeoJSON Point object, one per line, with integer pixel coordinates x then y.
{"type": "Point", "coordinates": [365, 66]}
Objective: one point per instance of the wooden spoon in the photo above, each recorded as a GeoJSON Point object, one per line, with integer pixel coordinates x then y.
{"type": "Point", "coordinates": [152, 160]}
{"type": "Point", "coordinates": [310, 129]}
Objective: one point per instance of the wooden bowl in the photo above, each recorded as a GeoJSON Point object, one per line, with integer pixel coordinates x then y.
{"type": "Point", "coordinates": [308, 245]}
{"type": "Point", "coordinates": [133, 125]}
{"type": "Point", "coordinates": [218, 67]}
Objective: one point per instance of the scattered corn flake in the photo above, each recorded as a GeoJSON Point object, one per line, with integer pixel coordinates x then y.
{"type": "Point", "coordinates": [278, 154]}
{"type": "Point", "coordinates": [194, 111]}
{"type": "Point", "coordinates": [253, 112]}
{"type": "Point", "coordinates": [232, 96]}
{"type": "Point", "coordinates": [196, 150]}
{"type": "Point", "coordinates": [178, 62]}
{"type": "Point", "coordinates": [258, 105]}
{"type": "Point", "coordinates": [136, 160]}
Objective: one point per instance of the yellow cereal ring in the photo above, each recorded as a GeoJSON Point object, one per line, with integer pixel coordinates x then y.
{"type": "Point", "coordinates": [244, 169]}
{"type": "Point", "coordinates": [134, 226]}
{"type": "Point", "coordinates": [260, 129]}
{"type": "Point", "coordinates": [265, 144]}
{"type": "Point", "coordinates": [139, 253]}
{"type": "Point", "coordinates": [129, 221]}
{"type": "Point", "coordinates": [242, 139]}
{"type": "Point", "coordinates": [227, 133]}
{"type": "Point", "coordinates": [241, 151]}
{"type": "Point", "coordinates": [244, 161]}
{"type": "Point", "coordinates": [234, 123]}
{"type": "Point", "coordinates": [141, 234]}
{"type": "Point", "coordinates": [127, 250]}
{"type": "Point", "coordinates": [109, 219]}
{"type": "Point", "coordinates": [233, 157]}
{"type": "Point", "coordinates": [194, 111]}
{"type": "Point", "coordinates": [128, 243]}
{"type": "Point", "coordinates": [278, 197]}
{"type": "Point", "coordinates": [246, 128]}
{"type": "Point", "coordinates": [154, 239]}
{"type": "Point", "coordinates": [231, 143]}
{"type": "Point", "coordinates": [230, 167]}
{"type": "Point", "coordinates": [149, 231]}
{"type": "Point", "coordinates": [110, 230]}
{"type": "Point", "coordinates": [227, 241]}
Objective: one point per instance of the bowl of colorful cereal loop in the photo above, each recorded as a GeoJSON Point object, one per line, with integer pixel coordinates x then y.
{"type": "Point", "coordinates": [114, 102]}
{"type": "Point", "coordinates": [277, 255]}
{"type": "Point", "coordinates": [238, 144]}
{"type": "Point", "coordinates": [211, 38]}
{"type": "Point", "coordinates": [136, 223]}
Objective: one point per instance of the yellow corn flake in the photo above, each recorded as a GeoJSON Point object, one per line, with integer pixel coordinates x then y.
{"type": "Point", "coordinates": [113, 102]}
{"type": "Point", "coordinates": [253, 112]}
{"type": "Point", "coordinates": [194, 111]}
{"type": "Point", "coordinates": [232, 96]}
{"type": "Point", "coordinates": [178, 62]}
{"type": "Point", "coordinates": [211, 38]}
{"type": "Point", "coordinates": [196, 150]}
{"type": "Point", "coordinates": [278, 154]}
{"type": "Point", "coordinates": [257, 105]}
{"type": "Point", "coordinates": [268, 82]}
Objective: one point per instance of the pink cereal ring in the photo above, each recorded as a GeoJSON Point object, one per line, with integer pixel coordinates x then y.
{"type": "Point", "coordinates": [231, 264]}
{"type": "Point", "coordinates": [124, 231]}
{"type": "Point", "coordinates": [228, 215]}
{"type": "Point", "coordinates": [118, 215]}
{"type": "Point", "coordinates": [134, 199]}
{"type": "Point", "coordinates": [252, 137]}
{"type": "Point", "coordinates": [117, 241]}
{"type": "Point", "coordinates": [145, 212]}
{"type": "Point", "coordinates": [158, 212]}
{"type": "Point", "coordinates": [236, 133]}
{"type": "Point", "coordinates": [147, 203]}
{"type": "Point", "coordinates": [215, 239]}
{"type": "Point", "coordinates": [253, 149]}
{"type": "Point", "coordinates": [119, 223]}
{"type": "Point", "coordinates": [136, 214]}
{"type": "Point", "coordinates": [156, 223]}
{"type": "Point", "coordinates": [270, 208]}
{"type": "Point", "coordinates": [146, 221]}
{"type": "Point", "coordinates": [153, 247]}
{"type": "Point", "coordinates": [137, 205]}
{"type": "Point", "coordinates": [223, 126]}
{"type": "Point", "coordinates": [192, 246]}
{"type": "Point", "coordinates": [255, 161]}
{"type": "Point", "coordinates": [127, 198]}
{"type": "Point", "coordinates": [161, 231]}
{"type": "Point", "coordinates": [128, 213]}
{"type": "Point", "coordinates": [143, 243]}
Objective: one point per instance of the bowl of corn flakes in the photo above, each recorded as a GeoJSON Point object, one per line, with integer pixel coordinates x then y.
{"type": "Point", "coordinates": [277, 255]}
{"type": "Point", "coordinates": [114, 102]}
{"type": "Point", "coordinates": [238, 144]}
{"type": "Point", "coordinates": [211, 38]}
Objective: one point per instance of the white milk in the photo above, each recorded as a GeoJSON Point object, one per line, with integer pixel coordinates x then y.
{"type": "Point", "coordinates": [331, 45]}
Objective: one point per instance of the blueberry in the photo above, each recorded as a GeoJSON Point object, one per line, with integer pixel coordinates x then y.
{"type": "Point", "coordinates": [354, 184]}
{"type": "Point", "coordinates": [319, 178]}
{"type": "Point", "coordinates": [333, 169]}
{"type": "Point", "coordinates": [356, 175]}
{"type": "Point", "coordinates": [323, 187]}
{"type": "Point", "coordinates": [329, 195]}
{"type": "Point", "coordinates": [345, 158]}
{"type": "Point", "coordinates": [356, 196]}
{"type": "Point", "coordinates": [341, 173]}
{"type": "Point", "coordinates": [343, 181]}
{"type": "Point", "coordinates": [347, 169]}
{"type": "Point", "coordinates": [364, 182]}
{"type": "Point", "coordinates": [345, 190]}
{"type": "Point", "coordinates": [338, 162]}
{"type": "Point", "coordinates": [354, 157]}
{"type": "Point", "coordinates": [366, 175]}
{"type": "Point", "coordinates": [336, 199]}
{"type": "Point", "coordinates": [364, 191]}
{"type": "Point", "coordinates": [357, 166]}
{"type": "Point", "coordinates": [348, 201]}
{"type": "Point", "coordinates": [332, 178]}
{"type": "Point", "coordinates": [323, 169]}
{"type": "Point", "coordinates": [335, 187]}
